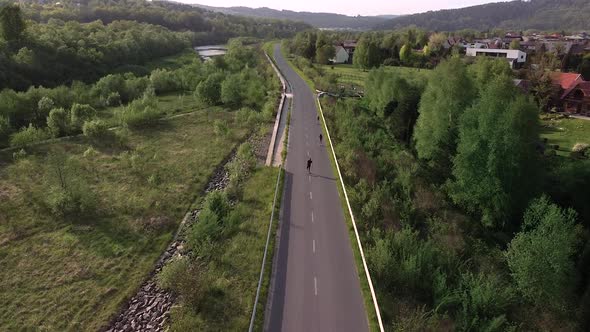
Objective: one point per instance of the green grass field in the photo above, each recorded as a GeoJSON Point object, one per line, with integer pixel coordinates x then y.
{"type": "Point", "coordinates": [73, 275]}
{"type": "Point", "coordinates": [350, 74]}
{"type": "Point", "coordinates": [233, 272]}
{"type": "Point", "coordinates": [565, 133]}
{"type": "Point", "coordinates": [174, 61]}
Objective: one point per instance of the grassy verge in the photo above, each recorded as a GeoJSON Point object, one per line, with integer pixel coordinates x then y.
{"type": "Point", "coordinates": [565, 132]}
{"type": "Point", "coordinates": [351, 75]}
{"type": "Point", "coordinates": [230, 271]}
{"type": "Point", "coordinates": [260, 309]}
{"type": "Point", "coordinates": [371, 314]}
{"type": "Point", "coordinates": [72, 274]}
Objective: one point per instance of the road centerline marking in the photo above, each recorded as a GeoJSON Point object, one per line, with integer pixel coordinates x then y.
{"type": "Point", "coordinates": [310, 195]}
{"type": "Point", "coordinates": [314, 246]}
{"type": "Point", "coordinates": [312, 217]}
{"type": "Point", "coordinates": [315, 285]}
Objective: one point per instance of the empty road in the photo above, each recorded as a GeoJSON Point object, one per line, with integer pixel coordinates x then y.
{"type": "Point", "coordinates": [315, 284]}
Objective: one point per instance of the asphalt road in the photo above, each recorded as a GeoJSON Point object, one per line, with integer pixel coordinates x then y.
{"type": "Point", "coordinates": [315, 284]}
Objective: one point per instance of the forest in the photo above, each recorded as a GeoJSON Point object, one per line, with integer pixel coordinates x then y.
{"type": "Point", "coordinates": [520, 15]}
{"type": "Point", "coordinates": [471, 220]}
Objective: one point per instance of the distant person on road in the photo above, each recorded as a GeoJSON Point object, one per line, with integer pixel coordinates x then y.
{"type": "Point", "coordinates": [309, 162]}
{"type": "Point", "coordinates": [321, 138]}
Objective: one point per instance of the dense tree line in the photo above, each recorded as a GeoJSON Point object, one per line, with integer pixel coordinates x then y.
{"type": "Point", "coordinates": [409, 47]}
{"type": "Point", "coordinates": [318, 20]}
{"type": "Point", "coordinates": [534, 14]}
{"type": "Point", "coordinates": [60, 52]}
{"type": "Point", "coordinates": [447, 179]}
{"type": "Point", "coordinates": [210, 27]}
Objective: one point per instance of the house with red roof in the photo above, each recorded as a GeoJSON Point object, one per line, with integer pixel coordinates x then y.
{"type": "Point", "coordinates": [572, 93]}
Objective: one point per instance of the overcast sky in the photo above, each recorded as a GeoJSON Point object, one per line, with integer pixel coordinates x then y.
{"type": "Point", "coordinates": [348, 7]}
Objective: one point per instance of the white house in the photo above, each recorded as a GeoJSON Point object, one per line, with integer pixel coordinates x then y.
{"type": "Point", "coordinates": [515, 58]}
{"type": "Point", "coordinates": [474, 45]}
{"type": "Point", "coordinates": [341, 56]}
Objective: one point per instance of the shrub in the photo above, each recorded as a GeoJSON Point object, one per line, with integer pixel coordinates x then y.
{"type": "Point", "coordinates": [29, 135]}
{"type": "Point", "coordinates": [20, 154]}
{"type": "Point", "coordinates": [167, 278]}
{"type": "Point", "coordinates": [79, 114]}
{"type": "Point", "coordinates": [220, 128]}
{"type": "Point", "coordinates": [113, 99]}
{"type": "Point", "coordinates": [5, 127]}
{"type": "Point", "coordinates": [540, 257]}
{"type": "Point", "coordinates": [45, 105]}
{"type": "Point", "coordinates": [240, 168]}
{"type": "Point", "coordinates": [136, 118]}
{"type": "Point", "coordinates": [58, 122]}
{"type": "Point", "coordinates": [96, 130]}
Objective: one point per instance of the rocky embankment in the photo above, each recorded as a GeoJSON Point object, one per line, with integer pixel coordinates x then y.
{"type": "Point", "coordinates": [149, 309]}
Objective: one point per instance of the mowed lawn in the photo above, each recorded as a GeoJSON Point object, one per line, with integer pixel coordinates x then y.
{"type": "Point", "coordinates": [565, 133]}
{"type": "Point", "coordinates": [73, 275]}
{"type": "Point", "coordinates": [349, 74]}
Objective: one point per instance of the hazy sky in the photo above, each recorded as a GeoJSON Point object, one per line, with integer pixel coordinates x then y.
{"type": "Point", "coordinates": [348, 7]}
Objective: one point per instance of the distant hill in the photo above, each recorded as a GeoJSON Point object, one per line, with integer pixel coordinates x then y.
{"type": "Point", "coordinates": [318, 20]}
{"type": "Point", "coordinates": [533, 14]}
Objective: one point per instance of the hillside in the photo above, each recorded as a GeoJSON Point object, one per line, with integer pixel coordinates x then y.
{"type": "Point", "coordinates": [318, 20]}
{"type": "Point", "coordinates": [533, 14]}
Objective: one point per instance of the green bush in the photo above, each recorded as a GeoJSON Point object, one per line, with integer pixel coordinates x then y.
{"type": "Point", "coordinates": [97, 130]}
{"type": "Point", "coordinates": [58, 122]}
{"type": "Point", "coordinates": [136, 118]}
{"type": "Point", "coordinates": [80, 114]}
{"type": "Point", "coordinates": [167, 278]}
{"type": "Point", "coordinates": [5, 127]}
{"type": "Point", "coordinates": [240, 168]}
{"type": "Point", "coordinates": [484, 300]}
{"type": "Point", "coordinates": [29, 135]}
{"type": "Point", "coordinates": [541, 256]}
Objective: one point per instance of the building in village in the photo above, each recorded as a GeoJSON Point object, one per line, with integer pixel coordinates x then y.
{"type": "Point", "coordinates": [344, 52]}
{"type": "Point", "coordinates": [516, 58]}
{"type": "Point", "coordinates": [571, 93]}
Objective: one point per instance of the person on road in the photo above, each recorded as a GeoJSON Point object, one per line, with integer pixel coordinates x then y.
{"type": "Point", "coordinates": [321, 137]}
{"type": "Point", "coordinates": [309, 162]}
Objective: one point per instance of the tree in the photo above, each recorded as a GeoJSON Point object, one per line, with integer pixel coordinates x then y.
{"type": "Point", "coordinates": [44, 106]}
{"type": "Point", "coordinates": [12, 23]}
{"type": "Point", "coordinates": [405, 54]}
{"type": "Point", "coordinates": [395, 101]}
{"type": "Point", "coordinates": [541, 256]}
{"type": "Point", "coordinates": [209, 90]}
{"type": "Point", "coordinates": [515, 44]}
{"type": "Point", "coordinates": [325, 53]}
{"type": "Point", "coordinates": [366, 54]}
{"type": "Point", "coordinates": [485, 70]}
{"type": "Point", "coordinates": [495, 168]}
{"type": "Point", "coordinates": [25, 57]}
{"type": "Point", "coordinates": [79, 114]}
{"type": "Point", "coordinates": [231, 91]}
{"type": "Point", "coordinates": [584, 68]}
{"type": "Point", "coordinates": [448, 93]}
{"type": "Point", "coordinates": [436, 42]}
{"type": "Point", "coordinates": [58, 122]}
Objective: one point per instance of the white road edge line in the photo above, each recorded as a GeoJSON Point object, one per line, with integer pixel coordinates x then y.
{"type": "Point", "coordinates": [315, 285]}
{"type": "Point", "coordinates": [358, 239]}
